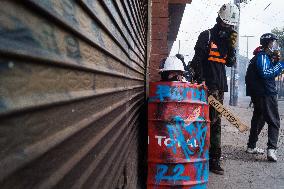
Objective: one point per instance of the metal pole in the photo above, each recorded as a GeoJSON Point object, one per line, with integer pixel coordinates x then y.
{"type": "Point", "coordinates": [234, 71]}
{"type": "Point", "coordinates": [247, 36]}
{"type": "Point", "coordinates": [247, 47]}
{"type": "Point", "coordinates": [178, 46]}
{"type": "Point", "coordinates": [281, 94]}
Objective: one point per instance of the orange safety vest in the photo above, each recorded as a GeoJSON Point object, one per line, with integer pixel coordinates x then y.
{"type": "Point", "coordinates": [214, 54]}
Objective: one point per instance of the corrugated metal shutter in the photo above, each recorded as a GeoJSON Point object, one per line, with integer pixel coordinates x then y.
{"type": "Point", "coordinates": [72, 84]}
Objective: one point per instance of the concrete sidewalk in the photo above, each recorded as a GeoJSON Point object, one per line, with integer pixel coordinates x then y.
{"type": "Point", "coordinates": [244, 170]}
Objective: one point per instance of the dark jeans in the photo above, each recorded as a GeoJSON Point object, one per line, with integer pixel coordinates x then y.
{"type": "Point", "coordinates": [265, 110]}
{"type": "Point", "coordinates": [215, 126]}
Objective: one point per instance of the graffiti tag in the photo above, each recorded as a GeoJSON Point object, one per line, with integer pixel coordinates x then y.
{"type": "Point", "coordinates": [178, 171]}
{"type": "Point", "coordinates": [176, 134]}
{"type": "Point", "coordinates": [174, 93]}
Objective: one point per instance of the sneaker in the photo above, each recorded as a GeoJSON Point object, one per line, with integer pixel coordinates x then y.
{"type": "Point", "coordinates": [215, 167]}
{"type": "Point", "coordinates": [271, 155]}
{"type": "Point", "coordinates": [255, 150]}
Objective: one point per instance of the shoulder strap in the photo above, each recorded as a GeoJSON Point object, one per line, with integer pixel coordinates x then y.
{"type": "Point", "coordinates": [208, 42]}
{"type": "Point", "coordinates": [209, 37]}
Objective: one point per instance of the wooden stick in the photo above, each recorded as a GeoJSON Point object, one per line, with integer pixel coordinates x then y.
{"type": "Point", "coordinates": [235, 121]}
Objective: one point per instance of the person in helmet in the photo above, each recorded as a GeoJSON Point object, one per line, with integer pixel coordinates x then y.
{"type": "Point", "coordinates": [214, 50]}
{"type": "Point", "coordinates": [187, 73]}
{"type": "Point", "coordinates": [172, 69]}
{"type": "Point", "coordinates": [261, 86]}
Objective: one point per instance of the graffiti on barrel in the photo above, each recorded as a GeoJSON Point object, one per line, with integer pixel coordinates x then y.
{"type": "Point", "coordinates": [178, 93]}
{"type": "Point", "coordinates": [178, 135]}
{"type": "Point", "coordinates": [178, 171]}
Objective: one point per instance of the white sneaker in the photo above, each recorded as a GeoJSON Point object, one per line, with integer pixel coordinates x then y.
{"type": "Point", "coordinates": [255, 150]}
{"type": "Point", "coordinates": [271, 155]}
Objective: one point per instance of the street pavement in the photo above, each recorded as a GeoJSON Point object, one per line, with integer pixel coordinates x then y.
{"type": "Point", "coordinates": [244, 170]}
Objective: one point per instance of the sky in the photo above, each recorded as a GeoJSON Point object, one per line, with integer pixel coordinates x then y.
{"type": "Point", "coordinates": [255, 19]}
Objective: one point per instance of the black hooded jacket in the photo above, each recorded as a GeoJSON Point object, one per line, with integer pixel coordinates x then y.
{"type": "Point", "coordinates": [213, 73]}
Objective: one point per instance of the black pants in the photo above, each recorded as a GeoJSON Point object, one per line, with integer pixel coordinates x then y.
{"type": "Point", "coordinates": [215, 126]}
{"type": "Point", "coordinates": [265, 110]}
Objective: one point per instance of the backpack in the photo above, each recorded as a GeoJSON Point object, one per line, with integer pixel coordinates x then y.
{"type": "Point", "coordinates": [254, 83]}
{"type": "Point", "coordinates": [193, 67]}
{"type": "Point", "coordinates": [250, 72]}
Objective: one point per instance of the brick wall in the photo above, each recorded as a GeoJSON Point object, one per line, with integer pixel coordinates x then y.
{"type": "Point", "coordinates": [159, 34]}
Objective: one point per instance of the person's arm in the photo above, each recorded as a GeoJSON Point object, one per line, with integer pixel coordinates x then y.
{"type": "Point", "coordinates": [265, 67]}
{"type": "Point", "coordinates": [231, 57]}
{"type": "Point", "coordinates": [201, 54]}
{"type": "Point", "coordinates": [232, 43]}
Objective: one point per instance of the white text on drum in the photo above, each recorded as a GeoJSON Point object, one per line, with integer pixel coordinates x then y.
{"type": "Point", "coordinates": [163, 140]}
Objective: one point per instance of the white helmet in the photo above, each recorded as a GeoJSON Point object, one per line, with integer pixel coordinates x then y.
{"type": "Point", "coordinates": [229, 14]}
{"type": "Point", "coordinates": [172, 63]}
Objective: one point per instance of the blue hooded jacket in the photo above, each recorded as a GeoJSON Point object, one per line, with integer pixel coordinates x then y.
{"type": "Point", "coordinates": [267, 73]}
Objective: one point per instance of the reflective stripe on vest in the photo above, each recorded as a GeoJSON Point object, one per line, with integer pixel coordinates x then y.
{"type": "Point", "coordinates": [214, 54]}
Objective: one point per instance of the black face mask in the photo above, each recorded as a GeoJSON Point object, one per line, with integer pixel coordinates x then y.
{"type": "Point", "coordinates": [224, 32]}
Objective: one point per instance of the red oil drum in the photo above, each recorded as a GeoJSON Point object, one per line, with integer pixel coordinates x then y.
{"type": "Point", "coordinates": [178, 136]}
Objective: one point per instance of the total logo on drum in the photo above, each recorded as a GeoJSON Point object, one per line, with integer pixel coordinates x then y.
{"type": "Point", "coordinates": [168, 142]}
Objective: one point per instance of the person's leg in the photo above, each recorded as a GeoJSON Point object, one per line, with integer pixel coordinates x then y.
{"type": "Point", "coordinates": [257, 122]}
{"type": "Point", "coordinates": [215, 135]}
{"type": "Point", "coordinates": [273, 120]}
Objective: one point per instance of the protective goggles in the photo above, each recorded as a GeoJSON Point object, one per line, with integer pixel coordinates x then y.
{"type": "Point", "coordinates": [274, 46]}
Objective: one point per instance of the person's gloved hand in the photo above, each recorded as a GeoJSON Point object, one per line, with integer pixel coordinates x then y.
{"type": "Point", "coordinates": [276, 56]}
{"type": "Point", "coordinates": [233, 39]}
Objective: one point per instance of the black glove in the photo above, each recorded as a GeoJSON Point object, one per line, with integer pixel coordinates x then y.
{"type": "Point", "coordinates": [233, 39]}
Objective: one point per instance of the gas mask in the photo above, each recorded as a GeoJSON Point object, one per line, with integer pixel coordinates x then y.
{"type": "Point", "coordinates": [274, 46]}
{"type": "Point", "coordinates": [225, 32]}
